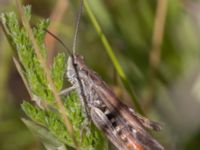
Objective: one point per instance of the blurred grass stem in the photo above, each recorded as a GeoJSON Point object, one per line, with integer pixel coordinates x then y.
{"type": "Point", "coordinates": [112, 56]}
{"type": "Point", "coordinates": [56, 17]}
{"type": "Point", "coordinates": [156, 49]}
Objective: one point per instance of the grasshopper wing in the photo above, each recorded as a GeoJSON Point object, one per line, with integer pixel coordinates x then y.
{"type": "Point", "coordinates": [134, 121]}
{"type": "Point", "coordinates": [146, 122]}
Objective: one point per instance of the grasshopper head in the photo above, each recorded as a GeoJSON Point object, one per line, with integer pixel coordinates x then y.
{"type": "Point", "coordinates": [74, 61]}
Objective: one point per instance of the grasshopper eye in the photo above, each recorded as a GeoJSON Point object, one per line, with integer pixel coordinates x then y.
{"type": "Point", "coordinates": [75, 64]}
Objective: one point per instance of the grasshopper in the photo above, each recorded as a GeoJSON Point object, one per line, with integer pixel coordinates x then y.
{"type": "Point", "coordinates": [122, 125]}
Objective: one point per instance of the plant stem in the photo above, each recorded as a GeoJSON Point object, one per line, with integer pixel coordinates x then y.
{"type": "Point", "coordinates": [112, 56]}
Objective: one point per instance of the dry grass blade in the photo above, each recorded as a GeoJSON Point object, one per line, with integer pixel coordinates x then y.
{"type": "Point", "coordinates": [158, 32]}
{"type": "Point", "coordinates": [55, 18]}
{"type": "Point", "coordinates": [155, 53]}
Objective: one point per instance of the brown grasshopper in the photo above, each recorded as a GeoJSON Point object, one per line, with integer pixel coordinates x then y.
{"type": "Point", "coordinates": [121, 124]}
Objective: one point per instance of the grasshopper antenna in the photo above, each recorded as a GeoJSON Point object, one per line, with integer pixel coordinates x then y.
{"type": "Point", "coordinates": [59, 40]}
{"type": "Point", "coordinates": [73, 58]}
{"type": "Point", "coordinates": [77, 27]}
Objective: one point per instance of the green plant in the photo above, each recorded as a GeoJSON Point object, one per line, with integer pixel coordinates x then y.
{"type": "Point", "coordinates": [44, 113]}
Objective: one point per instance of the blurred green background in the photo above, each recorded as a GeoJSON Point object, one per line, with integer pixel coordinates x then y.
{"type": "Point", "coordinates": [157, 42]}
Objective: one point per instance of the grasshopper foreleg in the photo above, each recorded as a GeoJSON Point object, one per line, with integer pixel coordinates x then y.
{"type": "Point", "coordinates": [67, 90]}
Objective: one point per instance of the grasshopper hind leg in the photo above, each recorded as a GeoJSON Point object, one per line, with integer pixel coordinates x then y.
{"type": "Point", "coordinates": [104, 124]}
